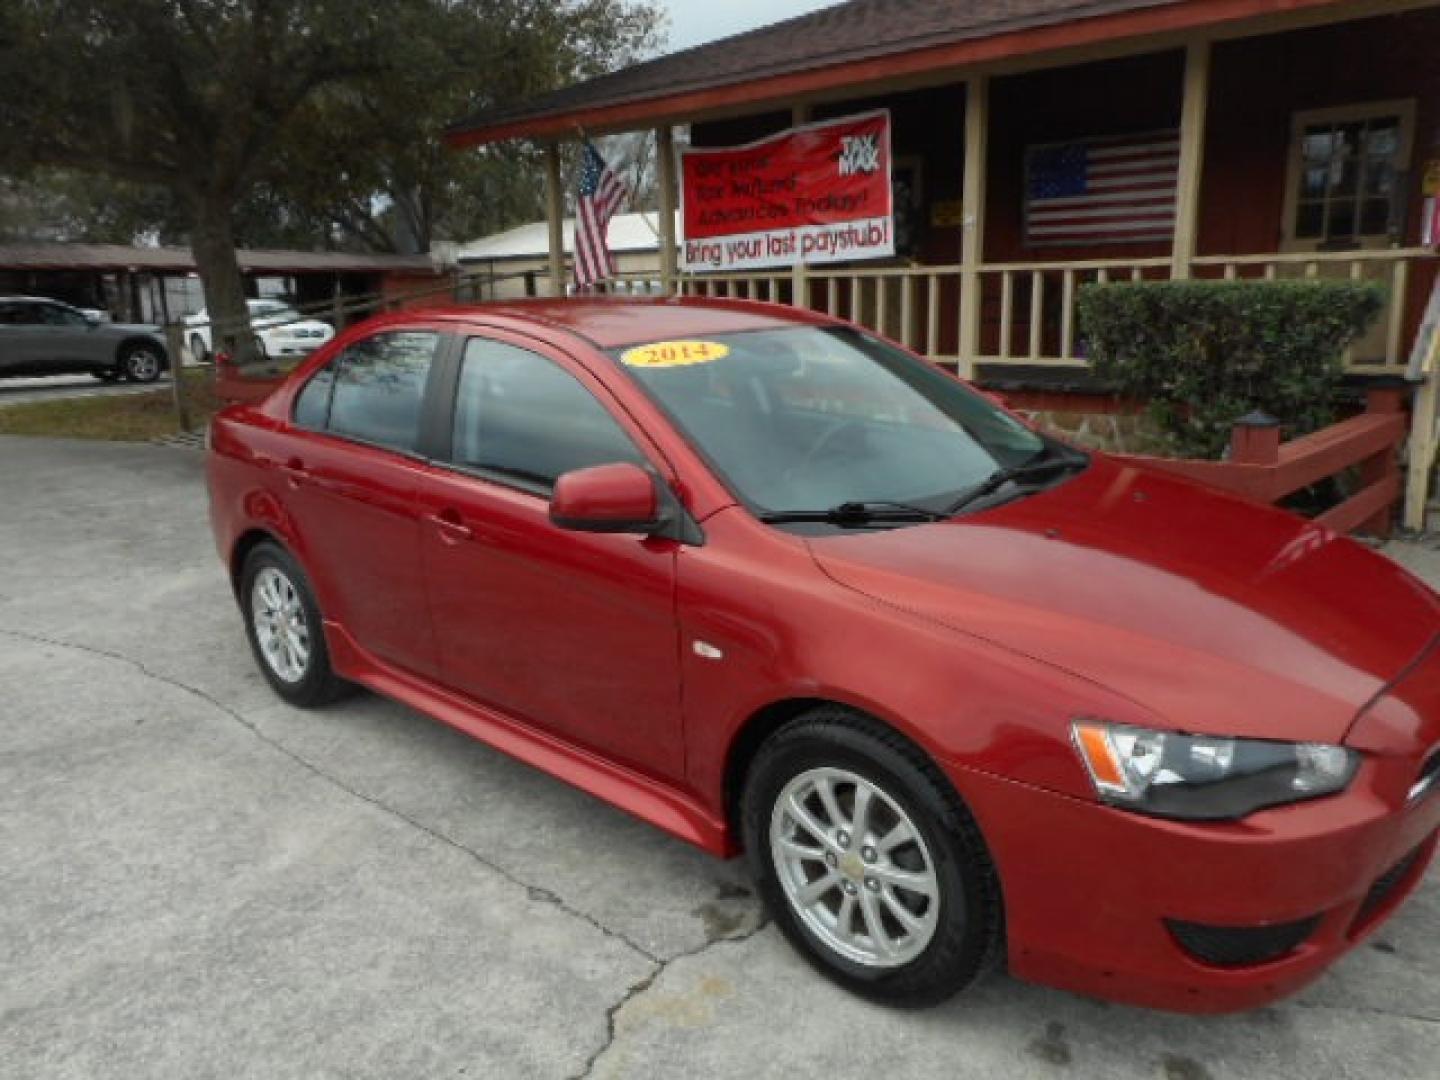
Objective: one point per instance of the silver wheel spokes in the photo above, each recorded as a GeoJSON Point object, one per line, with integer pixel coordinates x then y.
{"type": "Point", "coordinates": [144, 364]}
{"type": "Point", "coordinates": [854, 867]}
{"type": "Point", "coordinates": [280, 624]}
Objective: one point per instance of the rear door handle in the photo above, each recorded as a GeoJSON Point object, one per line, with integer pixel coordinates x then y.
{"type": "Point", "coordinates": [452, 529]}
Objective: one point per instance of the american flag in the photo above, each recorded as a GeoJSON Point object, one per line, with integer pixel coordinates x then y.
{"type": "Point", "coordinates": [601, 193]}
{"type": "Point", "coordinates": [1102, 191]}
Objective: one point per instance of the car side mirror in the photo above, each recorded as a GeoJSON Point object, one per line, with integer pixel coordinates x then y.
{"type": "Point", "coordinates": [92, 320]}
{"type": "Point", "coordinates": [619, 498]}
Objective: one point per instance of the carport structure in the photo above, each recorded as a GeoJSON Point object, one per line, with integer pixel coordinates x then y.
{"type": "Point", "coordinates": [1291, 138]}
{"type": "Point", "coordinates": [156, 285]}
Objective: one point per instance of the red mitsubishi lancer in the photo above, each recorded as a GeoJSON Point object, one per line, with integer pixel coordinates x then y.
{"type": "Point", "coordinates": [960, 693]}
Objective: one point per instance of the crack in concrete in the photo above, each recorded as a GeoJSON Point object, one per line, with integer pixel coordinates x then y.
{"type": "Point", "coordinates": [534, 893]}
{"type": "Point", "coordinates": [642, 985]}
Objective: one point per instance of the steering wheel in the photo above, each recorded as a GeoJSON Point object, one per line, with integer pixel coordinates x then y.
{"type": "Point", "coordinates": [823, 444]}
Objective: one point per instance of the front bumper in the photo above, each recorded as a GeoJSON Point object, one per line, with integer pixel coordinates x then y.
{"type": "Point", "coordinates": [1091, 893]}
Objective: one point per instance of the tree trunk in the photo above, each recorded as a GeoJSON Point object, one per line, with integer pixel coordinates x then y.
{"type": "Point", "coordinates": [213, 245]}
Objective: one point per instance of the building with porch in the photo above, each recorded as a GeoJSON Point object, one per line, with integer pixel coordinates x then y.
{"type": "Point", "coordinates": [1271, 138]}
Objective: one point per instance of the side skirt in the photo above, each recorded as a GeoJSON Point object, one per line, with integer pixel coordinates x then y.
{"type": "Point", "coordinates": [650, 800]}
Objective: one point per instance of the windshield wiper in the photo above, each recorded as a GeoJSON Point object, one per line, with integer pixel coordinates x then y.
{"type": "Point", "coordinates": [856, 513]}
{"type": "Point", "coordinates": [1055, 461]}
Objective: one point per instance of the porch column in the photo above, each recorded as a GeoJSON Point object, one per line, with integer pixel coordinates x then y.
{"type": "Point", "coordinates": [1192, 157]}
{"type": "Point", "coordinates": [799, 114]}
{"type": "Point", "coordinates": [665, 151]}
{"type": "Point", "coordinates": [555, 217]}
{"type": "Point", "coordinates": [972, 234]}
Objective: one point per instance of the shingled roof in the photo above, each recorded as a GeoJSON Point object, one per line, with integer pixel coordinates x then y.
{"type": "Point", "coordinates": [840, 35]}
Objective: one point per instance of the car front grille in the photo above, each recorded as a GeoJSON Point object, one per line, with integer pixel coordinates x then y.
{"type": "Point", "coordinates": [1241, 946]}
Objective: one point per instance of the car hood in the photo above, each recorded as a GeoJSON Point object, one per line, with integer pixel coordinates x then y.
{"type": "Point", "coordinates": [281, 324]}
{"type": "Point", "coordinates": [1212, 613]}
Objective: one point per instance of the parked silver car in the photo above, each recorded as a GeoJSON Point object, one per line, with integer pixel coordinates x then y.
{"type": "Point", "coordinates": [45, 337]}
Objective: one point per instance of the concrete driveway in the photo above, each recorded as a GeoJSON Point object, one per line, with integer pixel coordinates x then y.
{"type": "Point", "coordinates": [196, 881]}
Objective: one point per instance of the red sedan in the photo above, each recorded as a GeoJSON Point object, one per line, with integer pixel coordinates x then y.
{"type": "Point", "coordinates": [958, 691]}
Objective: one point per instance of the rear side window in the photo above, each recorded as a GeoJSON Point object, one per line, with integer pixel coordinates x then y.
{"type": "Point", "coordinates": [373, 391]}
{"type": "Point", "coordinates": [519, 416]}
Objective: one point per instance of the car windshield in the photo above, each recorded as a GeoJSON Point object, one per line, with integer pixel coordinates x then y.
{"type": "Point", "coordinates": [811, 418]}
{"type": "Point", "coordinates": [272, 309]}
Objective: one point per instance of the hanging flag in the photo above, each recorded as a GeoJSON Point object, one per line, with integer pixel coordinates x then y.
{"type": "Point", "coordinates": [1102, 191]}
{"type": "Point", "coordinates": [601, 193]}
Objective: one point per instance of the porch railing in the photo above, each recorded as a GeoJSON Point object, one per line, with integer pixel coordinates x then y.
{"type": "Point", "coordinates": [1027, 309]}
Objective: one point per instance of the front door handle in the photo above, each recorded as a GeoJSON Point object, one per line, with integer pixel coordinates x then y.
{"type": "Point", "coordinates": [452, 529]}
{"type": "Point", "coordinates": [295, 472]}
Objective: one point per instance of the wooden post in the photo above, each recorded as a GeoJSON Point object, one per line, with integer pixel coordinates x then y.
{"type": "Point", "coordinates": [972, 236]}
{"type": "Point", "coordinates": [555, 216]}
{"type": "Point", "coordinates": [1386, 464]}
{"type": "Point", "coordinates": [1255, 440]}
{"type": "Point", "coordinates": [1424, 440]}
{"type": "Point", "coordinates": [1192, 157]}
{"type": "Point", "coordinates": [800, 114]}
{"type": "Point", "coordinates": [669, 200]}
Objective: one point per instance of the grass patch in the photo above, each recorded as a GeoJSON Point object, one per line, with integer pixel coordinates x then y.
{"type": "Point", "coordinates": [137, 417]}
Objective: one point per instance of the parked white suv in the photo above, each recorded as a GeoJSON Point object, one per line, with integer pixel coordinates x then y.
{"type": "Point", "coordinates": [280, 331]}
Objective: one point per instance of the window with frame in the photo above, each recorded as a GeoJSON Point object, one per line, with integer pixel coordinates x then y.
{"type": "Point", "coordinates": [1347, 169]}
{"type": "Point", "coordinates": [55, 315]}
{"type": "Point", "coordinates": [374, 391]}
{"type": "Point", "coordinates": [520, 417]}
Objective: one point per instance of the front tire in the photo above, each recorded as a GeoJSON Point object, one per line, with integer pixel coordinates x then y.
{"type": "Point", "coordinates": [868, 860]}
{"type": "Point", "coordinates": [286, 632]}
{"type": "Point", "coordinates": [142, 363]}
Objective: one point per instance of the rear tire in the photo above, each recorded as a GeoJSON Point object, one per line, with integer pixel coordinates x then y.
{"type": "Point", "coordinates": [198, 352]}
{"type": "Point", "coordinates": [849, 828]}
{"type": "Point", "coordinates": [285, 628]}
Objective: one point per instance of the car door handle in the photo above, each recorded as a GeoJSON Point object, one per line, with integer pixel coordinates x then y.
{"type": "Point", "coordinates": [452, 529]}
{"type": "Point", "coordinates": [295, 472]}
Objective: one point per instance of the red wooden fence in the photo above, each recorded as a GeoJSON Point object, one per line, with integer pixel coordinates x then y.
{"type": "Point", "coordinates": [1263, 468]}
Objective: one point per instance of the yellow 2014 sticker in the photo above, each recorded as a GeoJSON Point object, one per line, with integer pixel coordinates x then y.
{"type": "Point", "coordinates": [663, 354]}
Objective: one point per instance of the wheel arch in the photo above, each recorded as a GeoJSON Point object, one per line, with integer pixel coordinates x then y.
{"type": "Point", "coordinates": [765, 721]}
{"type": "Point", "coordinates": [134, 341]}
{"type": "Point", "coordinates": [248, 542]}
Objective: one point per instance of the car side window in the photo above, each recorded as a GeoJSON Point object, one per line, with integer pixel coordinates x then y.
{"type": "Point", "coordinates": [374, 391]}
{"type": "Point", "coordinates": [521, 417]}
{"type": "Point", "coordinates": [19, 314]}
{"type": "Point", "coordinates": [55, 315]}
{"type": "Point", "coordinates": [312, 405]}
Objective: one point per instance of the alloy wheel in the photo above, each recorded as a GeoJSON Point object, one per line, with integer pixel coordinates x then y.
{"type": "Point", "coordinates": [854, 867]}
{"type": "Point", "coordinates": [281, 627]}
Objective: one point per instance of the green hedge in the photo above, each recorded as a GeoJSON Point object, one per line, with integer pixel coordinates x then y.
{"type": "Point", "coordinates": [1204, 353]}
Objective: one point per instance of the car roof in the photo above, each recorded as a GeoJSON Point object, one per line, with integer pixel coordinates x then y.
{"type": "Point", "coordinates": [33, 300]}
{"type": "Point", "coordinates": [611, 321]}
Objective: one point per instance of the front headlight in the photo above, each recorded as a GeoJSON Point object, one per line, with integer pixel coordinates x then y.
{"type": "Point", "coordinates": [1204, 778]}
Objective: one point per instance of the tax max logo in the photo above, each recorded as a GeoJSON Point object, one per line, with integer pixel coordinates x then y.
{"type": "Point", "coordinates": [859, 154]}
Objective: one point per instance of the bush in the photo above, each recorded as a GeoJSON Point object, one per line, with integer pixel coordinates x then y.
{"type": "Point", "coordinates": [1205, 353]}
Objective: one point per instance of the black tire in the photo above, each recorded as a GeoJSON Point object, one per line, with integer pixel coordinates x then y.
{"type": "Point", "coordinates": [142, 363]}
{"type": "Point", "coordinates": [968, 935]}
{"type": "Point", "coordinates": [198, 352]}
{"type": "Point", "coordinates": [318, 685]}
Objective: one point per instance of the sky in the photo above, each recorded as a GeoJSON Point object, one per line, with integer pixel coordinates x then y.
{"type": "Point", "coordinates": [694, 22]}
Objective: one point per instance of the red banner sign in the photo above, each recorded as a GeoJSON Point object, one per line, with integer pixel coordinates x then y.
{"type": "Point", "coordinates": [813, 194]}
